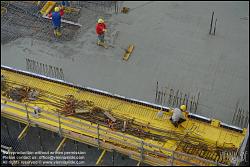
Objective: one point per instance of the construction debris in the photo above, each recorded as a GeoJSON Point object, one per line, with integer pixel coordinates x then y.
{"type": "Point", "coordinates": [109, 116]}
{"type": "Point", "coordinates": [71, 106]}
{"type": "Point", "coordinates": [22, 93]}
{"type": "Point", "coordinates": [125, 10]}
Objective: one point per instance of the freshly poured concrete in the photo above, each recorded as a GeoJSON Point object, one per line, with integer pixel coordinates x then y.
{"type": "Point", "coordinates": [172, 46]}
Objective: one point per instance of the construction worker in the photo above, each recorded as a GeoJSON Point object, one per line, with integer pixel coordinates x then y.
{"type": "Point", "coordinates": [56, 20]}
{"type": "Point", "coordinates": [178, 117]}
{"type": "Point", "coordinates": [100, 31]}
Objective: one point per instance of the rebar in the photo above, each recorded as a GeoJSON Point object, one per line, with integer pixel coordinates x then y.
{"type": "Point", "coordinates": [23, 20]}
{"type": "Point", "coordinates": [175, 98]}
{"type": "Point", "coordinates": [44, 69]}
{"type": "Point", "coordinates": [211, 24]}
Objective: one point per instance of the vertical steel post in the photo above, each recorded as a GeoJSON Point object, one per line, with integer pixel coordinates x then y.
{"type": "Point", "coordinates": [40, 139]}
{"type": "Point", "coordinates": [215, 26]}
{"type": "Point", "coordinates": [59, 125]}
{"type": "Point", "coordinates": [113, 157]}
{"type": "Point", "coordinates": [156, 92]}
{"type": "Point", "coordinates": [98, 135]}
{"type": "Point", "coordinates": [211, 24]}
{"type": "Point", "coordinates": [142, 150]}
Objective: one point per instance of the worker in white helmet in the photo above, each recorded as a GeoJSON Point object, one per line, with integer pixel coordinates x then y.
{"type": "Point", "coordinates": [178, 115]}
{"type": "Point", "coordinates": [100, 30]}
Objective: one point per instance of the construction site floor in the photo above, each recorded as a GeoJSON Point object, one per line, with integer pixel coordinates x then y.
{"type": "Point", "coordinates": [172, 46]}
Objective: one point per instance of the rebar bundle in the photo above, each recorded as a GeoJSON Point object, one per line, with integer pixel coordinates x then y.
{"type": "Point", "coordinates": [240, 117]}
{"type": "Point", "coordinates": [44, 69]}
{"type": "Point", "coordinates": [100, 6]}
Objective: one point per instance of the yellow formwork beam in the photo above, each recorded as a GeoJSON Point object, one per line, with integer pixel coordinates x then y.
{"type": "Point", "coordinates": [48, 7]}
{"type": "Point", "coordinates": [61, 144]}
{"type": "Point", "coordinates": [101, 157]}
{"type": "Point", "coordinates": [23, 133]}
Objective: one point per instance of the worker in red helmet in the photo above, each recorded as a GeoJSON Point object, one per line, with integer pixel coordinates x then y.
{"type": "Point", "coordinates": [56, 20]}
{"type": "Point", "coordinates": [178, 117]}
{"type": "Point", "coordinates": [100, 31]}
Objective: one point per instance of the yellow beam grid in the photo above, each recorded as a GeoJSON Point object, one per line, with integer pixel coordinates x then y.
{"type": "Point", "coordinates": [99, 160]}
{"type": "Point", "coordinates": [129, 127]}
{"type": "Point", "coordinates": [61, 144]}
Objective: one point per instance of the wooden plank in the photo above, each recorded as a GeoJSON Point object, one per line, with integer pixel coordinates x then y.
{"type": "Point", "coordinates": [128, 52]}
{"type": "Point", "coordinates": [70, 9]}
{"type": "Point", "coordinates": [109, 116]}
{"type": "Point", "coordinates": [64, 21]}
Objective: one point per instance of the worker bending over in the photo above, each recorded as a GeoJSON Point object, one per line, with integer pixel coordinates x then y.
{"type": "Point", "coordinates": [56, 20]}
{"type": "Point", "coordinates": [178, 117]}
{"type": "Point", "coordinates": [100, 31]}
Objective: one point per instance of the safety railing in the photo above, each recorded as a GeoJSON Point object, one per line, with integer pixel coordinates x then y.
{"type": "Point", "coordinates": [138, 148]}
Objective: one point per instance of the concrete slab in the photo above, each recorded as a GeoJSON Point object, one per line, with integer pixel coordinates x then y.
{"type": "Point", "coordinates": [172, 46]}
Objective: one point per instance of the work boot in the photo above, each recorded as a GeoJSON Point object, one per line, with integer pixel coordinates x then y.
{"type": "Point", "coordinates": [174, 123]}
{"type": "Point", "coordinates": [59, 34]}
{"type": "Point", "coordinates": [55, 32]}
{"type": "Point", "coordinates": [98, 42]}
